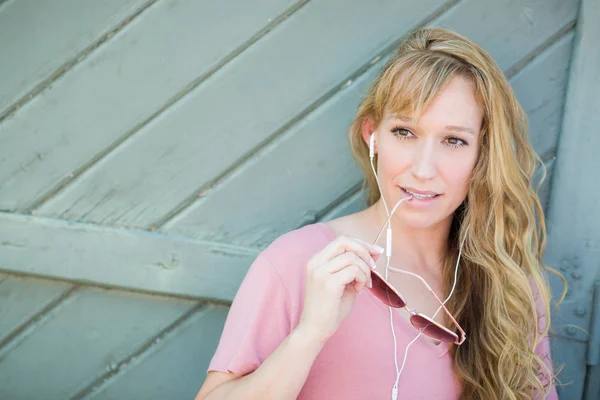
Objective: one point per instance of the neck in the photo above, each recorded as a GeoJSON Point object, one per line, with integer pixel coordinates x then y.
{"type": "Point", "coordinates": [416, 249]}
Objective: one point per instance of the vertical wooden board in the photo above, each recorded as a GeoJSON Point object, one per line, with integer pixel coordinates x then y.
{"type": "Point", "coordinates": [38, 37]}
{"type": "Point", "coordinates": [510, 29]}
{"type": "Point", "coordinates": [544, 190]}
{"type": "Point", "coordinates": [21, 298]}
{"type": "Point", "coordinates": [91, 332]}
{"type": "Point", "coordinates": [176, 368]}
{"type": "Point", "coordinates": [540, 88]}
{"type": "Point", "coordinates": [118, 86]}
{"type": "Point", "coordinates": [574, 232]}
{"type": "Point", "coordinates": [234, 111]}
{"type": "Point", "coordinates": [571, 356]}
{"type": "Point", "coordinates": [287, 183]}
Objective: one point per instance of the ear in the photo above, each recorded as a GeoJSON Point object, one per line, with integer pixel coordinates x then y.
{"type": "Point", "coordinates": [368, 127]}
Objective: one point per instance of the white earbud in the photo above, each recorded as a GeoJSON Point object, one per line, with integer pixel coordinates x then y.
{"type": "Point", "coordinates": [372, 145]}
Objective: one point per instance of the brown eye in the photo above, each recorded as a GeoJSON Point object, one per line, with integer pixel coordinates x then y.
{"type": "Point", "coordinates": [455, 142]}
{"type": "Point", "coordinates": [402, 133]}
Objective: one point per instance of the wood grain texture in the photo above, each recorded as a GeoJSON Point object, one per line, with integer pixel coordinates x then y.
{"type": "Point", "coordinates": [234, 112]}
{"type": "Point", "coordinates": [39, 37]}
{"type": "Point", "coordinates": [116, 89]}
{"type": "Point", "coordinates": [21, 298]}
{"type": "Point", "coordinates": [287, 183]}
{"type": "Point", "coordinates": [176, 367]}
{"type": "Point", "coordinates": [122, 258]}
{"type": "Point", "coordinates": [540, 88]}
{"type": "Point", "coordinates": [284, 185]}
{"type": "Point", "coordinates": [88, 335]}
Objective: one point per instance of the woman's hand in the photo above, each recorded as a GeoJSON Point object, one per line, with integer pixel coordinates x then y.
{"type": "Point", "coordinates": [333, 278]}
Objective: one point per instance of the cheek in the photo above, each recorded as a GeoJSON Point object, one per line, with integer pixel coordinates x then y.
{"type": "Point", "coordinates": [458, 175]}
{"type": "Point", "coordinates": [393, 163]}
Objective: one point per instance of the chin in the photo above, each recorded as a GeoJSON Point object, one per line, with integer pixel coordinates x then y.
{"type": "Point", "coordinates": [423, 220]}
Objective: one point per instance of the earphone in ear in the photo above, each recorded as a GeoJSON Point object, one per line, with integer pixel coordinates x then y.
{"type": "Point", "coordinates": [372, 145]}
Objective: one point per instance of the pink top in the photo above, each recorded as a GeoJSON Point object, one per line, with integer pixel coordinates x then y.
{"type": "Point", "coordinates": [268, 307]}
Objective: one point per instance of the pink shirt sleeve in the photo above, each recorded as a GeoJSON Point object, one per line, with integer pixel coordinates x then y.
{"type": "Point", "coordinates": [257, 323]}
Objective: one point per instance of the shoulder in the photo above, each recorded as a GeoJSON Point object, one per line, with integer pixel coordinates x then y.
{"type": "Point", "coordinates": [298, 246]}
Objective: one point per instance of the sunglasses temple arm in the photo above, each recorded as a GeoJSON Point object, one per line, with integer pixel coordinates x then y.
{"type": "Point", "coordinates": [434, 295]}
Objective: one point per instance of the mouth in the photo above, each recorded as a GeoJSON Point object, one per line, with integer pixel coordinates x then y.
{"type": "Point", "coordinates": [420, 194]}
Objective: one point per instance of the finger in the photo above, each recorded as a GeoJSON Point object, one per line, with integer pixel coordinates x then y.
{"type": "Point", "coordinates": [347, 259]}
{"type": "Point", "coordinates": [344, 244]}
{"type": "Point", "coordinates": [349, 275]}
{"type": "Point", "coordinates": [378, 250]}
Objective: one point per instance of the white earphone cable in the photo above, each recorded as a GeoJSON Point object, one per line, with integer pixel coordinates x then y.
{"type": "Point", "coordinates": [387, 268]}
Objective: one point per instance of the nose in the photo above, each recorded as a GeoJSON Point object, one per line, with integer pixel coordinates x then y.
{"type": "Point", "coordinates": [424, 160]}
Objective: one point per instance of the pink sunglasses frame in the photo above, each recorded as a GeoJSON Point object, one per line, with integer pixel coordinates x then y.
{"type": "Point", "coordinates": [380, 295]}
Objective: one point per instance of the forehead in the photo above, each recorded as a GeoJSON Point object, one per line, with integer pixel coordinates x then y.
{"type": "Point", "coordinates": [455, 106]}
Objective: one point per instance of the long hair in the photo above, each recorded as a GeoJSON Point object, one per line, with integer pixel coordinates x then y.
{"type": "Point", "coordinates": [501, 273]}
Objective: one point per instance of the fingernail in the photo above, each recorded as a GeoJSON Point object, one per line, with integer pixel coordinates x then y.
{"type": "Point", "coordinates": [373, 265]}
{"type": "Point", "coordinates": [379, 249]}
{"type": "Point", "coordinates": [370, 284]}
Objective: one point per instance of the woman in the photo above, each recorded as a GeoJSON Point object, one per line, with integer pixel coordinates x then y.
{"type": "Point", "coordinates": [450, 174]}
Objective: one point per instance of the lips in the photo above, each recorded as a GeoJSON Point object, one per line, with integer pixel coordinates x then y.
{"type": "Point", "coordinates": [420, 194]}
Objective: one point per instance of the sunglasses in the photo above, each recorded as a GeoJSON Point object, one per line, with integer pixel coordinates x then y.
{"type": "Point", "coordinates": [389, 296]}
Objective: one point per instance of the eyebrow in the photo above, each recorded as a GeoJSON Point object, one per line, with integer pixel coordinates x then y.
{"type": "Point", "coordinates": [460, 129]}
{"type": "Point", "coordinates": [454, 128]}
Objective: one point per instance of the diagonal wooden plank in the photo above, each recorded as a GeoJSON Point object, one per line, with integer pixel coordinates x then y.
{"type": "Point", "coordinates": [212, 155]}
{"type": "Point", "coordinates": [87, 336]}
{"type": "Point", "coordinates": [540, 87]}
{"type": "Point", "coordinates": [299, 165]}
{"type": "Point", "coordinates": [41, 40]}
{"type": "Point", "coordinates": [351, 204]}
{"type": "Point", "coordinates": [310, 164]}
{"type": "Point", "coordinates": [146, 261]}
{"type": "Point", "coordinates": [21, 332]}
{"type": "Point", "coordinates": [237, 109]}
{"type": "Point", "coordinates": [173, 43]}
{"type": "Point", "coordinates": [23, 298]}
{"type": "Point", "coordinates": [181, 352]}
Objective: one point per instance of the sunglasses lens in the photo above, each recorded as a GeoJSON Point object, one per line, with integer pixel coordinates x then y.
{"type": "Point", "coordinates": [433, 330]}
{"type": "Point", "coordinates": [384, 292]}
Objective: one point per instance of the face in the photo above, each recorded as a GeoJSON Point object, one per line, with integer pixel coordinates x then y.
{"type": "Point", "coordinates": [432, 158]}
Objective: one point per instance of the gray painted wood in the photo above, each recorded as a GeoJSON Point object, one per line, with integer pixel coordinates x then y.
{"type": "Point", "coordinates": [176, 368]}
{"type": "Point", "coordinates": [256, 95]}
{"type": "Point", "coordinates": [354, 203]}
{"type": "Point", "coordinates": [92, 331]}
{"type": "Point", "coordinates": [574, 232]}
{"type": "Point", "coordinates": [540, 88]}
{"type": "Point", "coordinates": [38, 37]}
{"type": "Point", "coordinates": [221, 109]}
{"type": "Point", "coordinates": [287, 183]}
{"type": "Point", "coordinates": [234, 111]}
{"type": "Point", "coordinates": [129, 259]}
{"type": "Point", "coordinates": [544, 190]}
{"type": "Point", "coordinates": [310, 164]}
{"type": "Point", "coordinates": [117, 87]}
{"type": "Point", "coordinates": [508, 28]}
{"type": "Point", "coordinates": [21, 298]}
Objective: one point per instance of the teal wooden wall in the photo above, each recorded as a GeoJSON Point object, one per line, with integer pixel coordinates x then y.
{"type": "Point", "coordinates": [149, 149]}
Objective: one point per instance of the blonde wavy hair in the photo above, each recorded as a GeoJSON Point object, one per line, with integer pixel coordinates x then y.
{"type": "Point", "coordinates": [501, 272]}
